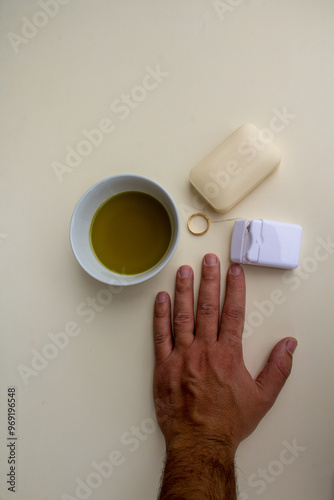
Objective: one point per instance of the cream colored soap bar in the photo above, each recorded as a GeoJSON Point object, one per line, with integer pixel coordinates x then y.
{"type": "Point", "coordinates": [236, 167]}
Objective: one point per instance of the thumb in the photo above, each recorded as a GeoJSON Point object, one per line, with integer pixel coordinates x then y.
{"type": "Point", "coordinates": [275, 373]}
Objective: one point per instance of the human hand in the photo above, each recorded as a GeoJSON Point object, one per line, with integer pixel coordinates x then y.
{"type": "Point", "coordinates": [202, 390]}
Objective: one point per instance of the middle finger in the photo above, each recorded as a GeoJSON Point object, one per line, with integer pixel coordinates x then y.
{"type": "Point", "coordinates": [208, 300]}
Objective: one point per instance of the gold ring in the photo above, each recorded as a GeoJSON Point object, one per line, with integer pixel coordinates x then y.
{"type": "Point", "coordinates": [207, 223]}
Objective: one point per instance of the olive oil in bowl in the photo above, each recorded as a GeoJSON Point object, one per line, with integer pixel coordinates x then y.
{"type": "Point", "coordinates": [130, 232]}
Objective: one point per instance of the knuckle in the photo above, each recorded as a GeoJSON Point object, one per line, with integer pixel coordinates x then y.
{"type": "Point", "coordinates": [182, 318]}
{"type": "Point", "coordinates": [207, 309]}
{"type": "Point", "coordinates": [159, 338]}
{"type": "Point", "coordinates": [183, 286]}
{"type": "Point", "coordinates": [209, 275]}
{"type": "Point", "coordinates": [234, 313]}
{"type": "Point", "coordinates": [282, 370]}
{"type": "Point", "coordinates": [160, 313]}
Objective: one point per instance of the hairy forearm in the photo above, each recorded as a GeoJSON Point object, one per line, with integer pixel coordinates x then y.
{"type": "Point", "coordinates": [199, 471]}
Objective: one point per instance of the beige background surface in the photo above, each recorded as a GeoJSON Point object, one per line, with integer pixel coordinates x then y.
{"type": "Point", "coordinates": [66, 66]}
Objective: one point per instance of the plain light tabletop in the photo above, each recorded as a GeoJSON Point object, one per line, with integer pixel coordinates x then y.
{"type": "Point", "coordinates": [94, 89]}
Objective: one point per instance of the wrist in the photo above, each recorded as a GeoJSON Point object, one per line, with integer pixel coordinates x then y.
{"type": "Point", "coordinates": [198, 467]}
{"type": "Point", "coordinates": [219, 449]}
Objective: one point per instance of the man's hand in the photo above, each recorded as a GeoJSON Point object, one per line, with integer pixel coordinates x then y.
{"type": "Point", "coordinates": [206, 400]}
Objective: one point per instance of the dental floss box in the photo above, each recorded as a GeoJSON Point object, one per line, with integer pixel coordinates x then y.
{"type": "Point", "coordinates": [268, 243]}
{"type": "Point", "coordinates": [236, 167]}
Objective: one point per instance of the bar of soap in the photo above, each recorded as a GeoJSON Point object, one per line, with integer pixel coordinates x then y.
{"type": "Point", "coordinates": [236, 167]}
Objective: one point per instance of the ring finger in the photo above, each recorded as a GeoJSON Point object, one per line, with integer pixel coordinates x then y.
{"type": "Point", "coordinates": [183, 314]}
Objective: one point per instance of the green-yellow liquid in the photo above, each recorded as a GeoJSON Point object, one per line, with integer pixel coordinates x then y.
{"type": "Point", "coordinates": [131, 232]}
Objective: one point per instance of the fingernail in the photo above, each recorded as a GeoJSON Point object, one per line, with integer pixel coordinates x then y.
{"type": "Point", "coordinates": [210, 259]}
{"type": "Point", "coordinates": [291, 346]}
{"type": "Point", "coordinates": [235, 269]}
{"type": "Point", "coordinates": [184, 272]}
{"type": "Point", "coordinates": [161, 297]}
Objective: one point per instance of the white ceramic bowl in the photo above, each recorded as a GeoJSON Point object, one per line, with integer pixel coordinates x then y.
{"type": "Point", "coordinates": [85, 211]}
